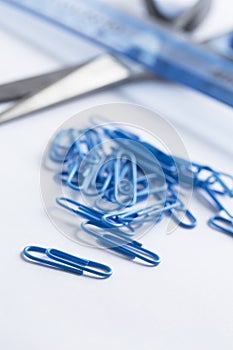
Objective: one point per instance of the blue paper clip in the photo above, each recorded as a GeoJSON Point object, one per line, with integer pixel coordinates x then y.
{"type": "Point", "coordinates": [190, 222]}
{"type": "Point", "coordinates": [130, 169]}
{"type": "Point", "coordinates": [66, 262]}
{"type": "Point", "coordinates": [212, 194]}
{"type": "Point", "coordinates": [128, 172]}
{"type": "Point", "coordinates": [222, 224]}
{"type": "Point", "coordinates": [129, 248]}
{"type": "Point", "coordinates": [219, 179]}
{"type": "Point", "coordinates": [94, 216]}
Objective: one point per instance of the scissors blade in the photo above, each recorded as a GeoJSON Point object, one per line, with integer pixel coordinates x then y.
{"type": "Point", "coordinates": [99, 73]}
{"type": "Point", "coordinates": [21, 88]}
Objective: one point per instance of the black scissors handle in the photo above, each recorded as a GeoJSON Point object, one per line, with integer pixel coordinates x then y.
{"type": "Point", "coordinates": [187, 20]}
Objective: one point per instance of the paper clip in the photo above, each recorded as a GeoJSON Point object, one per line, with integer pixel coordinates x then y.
{"type": "Point", "coordinates": [174, 212]}
{"type": "Point", "coordinates": [128, 170]}
{"type": "Point", "coordinates": [129, 175]}
{"type": "Point", "coordinates": [94, 216]}
{"type": "Point", "coordinates": [213, 195]}
{"type": "Point", "coordinates": [66, 262]}
{"type": "Point", "coordinates": [222, 224]}
{"type": "Point", "coordinates": [150, 213]}
{"type": "Point", "coordinates": [129, 248]}
{"type": "Point", "coordinates": [220, 179]}
{"type": "Point", "coordinates": [119, 133]}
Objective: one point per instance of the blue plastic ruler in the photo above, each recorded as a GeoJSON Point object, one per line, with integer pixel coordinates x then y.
{"type": "Point", "coordinates": [171, 55]}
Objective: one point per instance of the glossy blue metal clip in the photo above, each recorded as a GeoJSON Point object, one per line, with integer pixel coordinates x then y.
{"type": "Point", "coordinates": [213, 195]}
{"type": "Point", "coordinates": [222, 224]}
{"type": "Point", "coordinates": [66, 262]}
{"type": "Point", "coordinates": [127, 172]}
{"type": "Point", "coordinates": [95, 217]}
{"type": "Point", "coordinates": [182, 216]}
{"type": "Point", "coordinates": [129, 248]}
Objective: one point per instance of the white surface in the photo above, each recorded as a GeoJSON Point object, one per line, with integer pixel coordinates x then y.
{"type": "Point", "coordinates": [185, 303]}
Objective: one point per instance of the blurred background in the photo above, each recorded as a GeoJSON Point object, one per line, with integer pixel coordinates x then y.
{"type": "Point", "coordinates": [31, 47]}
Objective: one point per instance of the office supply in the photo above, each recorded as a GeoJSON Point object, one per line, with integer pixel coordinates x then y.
{"type": "Point", "coordinates": [131, 249]}
{"type": "Point", "coordinates": [128, 219]}
{"type": "Point", "coordinates": [170, 55]}
{"type": "Point", "coordinates": [222, 224]}
{"type": "Point", "coordinates": [215, 197]}
{"type": "Point", "coordinates": [93, 216]}
{"type": "Point", "coordinates": [37, 93]}
{"type": "Point", "coordinates": [188, 219]}
{"type": "Point", "coordinates": [216, 186]}
{"type": "Point", "coordinates": [181, 17]}
{"type": "Point", "coordinates": [53, 88]}
{"type": "Point", "coordinates": [133, 181]}
{"type": "Point", "coordinates": [222, 45]}
{"type": "Point", "coordinates": [66, 262]}
{"type": "Point", "coordinates": [26, 87]}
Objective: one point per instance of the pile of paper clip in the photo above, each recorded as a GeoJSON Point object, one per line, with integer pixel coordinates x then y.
{"type": "Point", "coordinates": [131, 183]}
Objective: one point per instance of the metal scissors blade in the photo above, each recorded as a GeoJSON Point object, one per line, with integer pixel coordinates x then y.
{"type": "Point", "coordinates": [50, 89]}
{"type": "Point", "coordinates": [21, 88]}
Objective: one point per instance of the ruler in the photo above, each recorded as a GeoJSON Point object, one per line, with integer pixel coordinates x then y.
{"type": "Point", "coordinates": [171, 55]}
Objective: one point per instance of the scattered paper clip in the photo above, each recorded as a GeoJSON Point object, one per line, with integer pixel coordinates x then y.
{"type": "Point", "coordinates": [132, 182]}
{"type": "Point", "coordinates": [129, 248]}
{"type": "Point", "coordinates": [66, 262]}
{"type": "Point", "coordinates": [222, 224]}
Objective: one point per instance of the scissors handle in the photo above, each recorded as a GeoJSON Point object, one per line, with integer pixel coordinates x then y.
{"type": "Point", "coordinates": [185, 19]}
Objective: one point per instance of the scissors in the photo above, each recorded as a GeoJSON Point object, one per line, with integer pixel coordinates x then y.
{"type": "Point", "coordinates": [107, 70]}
